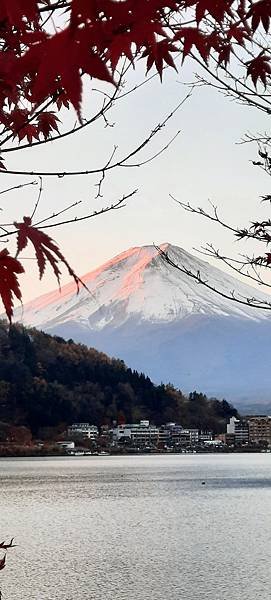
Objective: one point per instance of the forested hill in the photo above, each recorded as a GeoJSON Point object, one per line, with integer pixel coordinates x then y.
{"type": "Point", "coordinates": [46, 381]}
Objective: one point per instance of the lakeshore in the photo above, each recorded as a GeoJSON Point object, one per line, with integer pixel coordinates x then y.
{"type": "Point", "coordinates": [249, 434]}
{"type": "Point", "coordinates": [11, 451]}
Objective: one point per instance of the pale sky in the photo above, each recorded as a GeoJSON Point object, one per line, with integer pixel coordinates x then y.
{"type": "Point", "coordinates": [205, 162]}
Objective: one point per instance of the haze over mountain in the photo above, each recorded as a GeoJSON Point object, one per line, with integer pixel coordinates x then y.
{"type": "Point", "coordinates": [163, 323]}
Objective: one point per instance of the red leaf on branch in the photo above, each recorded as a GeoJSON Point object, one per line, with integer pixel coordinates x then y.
{"type": "Point", "coordinates": [160, 53]}
{"type": "Point", "coordinates": [18, 121]}
{"type": "Point", "coordinates": [224, 54]}
{"type": "Point", "coordinates": [215, 8]}
{"type": "Point", "coordinates": [45, 250]}
{"type": "Point", "coordinates": [239, 33]}
{"type": "Point", "coordinates": [62, 100]}
{"type": "Point", "coordinates": [29, 131]}
{"type": "Point", "coordinates": [60, 61]}
{"type": "Point", "coordinates": [9, 286]}
{"type": "Point", "coordinates": [259, 68]}
{"type": "Point", "coordinates": [260, 13]}
{"type": "Point", "coordinates": [194, 37]}
{"type": "Point", "coordinates": [120, 46]}
{"type": "Point", "coordinates": [47, 122]}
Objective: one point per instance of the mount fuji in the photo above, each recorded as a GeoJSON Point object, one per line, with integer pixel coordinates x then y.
{"type": "Point", "coordinates": [163, 323]}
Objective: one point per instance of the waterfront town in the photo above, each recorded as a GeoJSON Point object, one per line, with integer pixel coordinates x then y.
{"type": "Point", "coordinates": [248, 434]}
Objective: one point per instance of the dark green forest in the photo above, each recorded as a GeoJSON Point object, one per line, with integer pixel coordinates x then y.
{"type": "Point", "coordinates": [46, 381]}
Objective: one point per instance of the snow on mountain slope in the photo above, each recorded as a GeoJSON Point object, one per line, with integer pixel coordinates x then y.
{"type": "Point", "coordinates": [163, 323]}
{"type": "Point", "coordinates": [139, 284]}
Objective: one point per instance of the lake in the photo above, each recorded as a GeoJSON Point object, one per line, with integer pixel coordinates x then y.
{"type": "Point", "coordinates": [137, 528]}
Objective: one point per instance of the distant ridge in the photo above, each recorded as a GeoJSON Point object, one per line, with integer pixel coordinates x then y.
{"type": "Point", "coordinates": [163, 323]}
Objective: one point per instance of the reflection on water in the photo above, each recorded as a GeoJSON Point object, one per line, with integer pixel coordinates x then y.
{"type": "Point", "coordinates": [137, 528]}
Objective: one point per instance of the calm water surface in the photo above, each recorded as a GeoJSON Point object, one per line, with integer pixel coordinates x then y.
{"type": "Point", "coordinates": [137, 528]}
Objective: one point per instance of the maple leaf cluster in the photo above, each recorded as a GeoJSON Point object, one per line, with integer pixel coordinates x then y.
{"type": "Point", "coordinates": [37, 66]}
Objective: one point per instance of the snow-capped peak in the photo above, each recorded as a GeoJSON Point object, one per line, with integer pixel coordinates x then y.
{"type": "Point", "coordinates": [139, 284]}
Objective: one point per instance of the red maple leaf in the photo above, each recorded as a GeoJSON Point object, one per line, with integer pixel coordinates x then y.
{"type": "Point", "coordinates": [158, 54]}
{"type": "Point", "coordinates": [120, 46]}
{"type": "Point", "coordinates": [60, 61]}
{"type": "Point", "coordinates": [192, 36]}
{"type": "Point", "coordinates": [47, 122]}
{"type": "Point", "coordinates": [18, 122]}
{"type": "Point", "coordinates": [45, 250]}
{"type": "Point", "coordinates": [259, 68]}
{"type": "Point", "coordinates": [239, 33]}
{"type": "Point", "coordinates": [62, 100]}
{"type": "Point", "coordinates": [260, 13]}
{"type": "Point", "coordinates": [224, 54]}
{"type": "Point", "coordinates": [216, 8]}
{"type": "Point", "coordinates": [9, 286]}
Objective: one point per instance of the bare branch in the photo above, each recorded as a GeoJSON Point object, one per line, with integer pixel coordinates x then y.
{"type": "Point", "coordinates": [118, 204]}
{"type": "Point", "coordinates": [252, 302]}
{"type": "Point", "coordinates": [18, 187]}
{"type": "Point", "coordinates": [109, 167]}
{"type": "Point", "coordinates": [38, 199]}
{"type": "Point", "coordinates": [210, 251]}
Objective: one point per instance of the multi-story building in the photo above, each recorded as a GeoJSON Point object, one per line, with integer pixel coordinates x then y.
{"type": "Point", "coordinates": [140, 434]}
{"type": "Point", "coordinates": [194, 436]}
{"type": "Point", "coordinates": [231, 425]}
{"type": "Point", "coordinates": [83, 431]}
{"type": "Point", "coordinates": [170, 434]}
{"type": "Point", "coordinates": [240, 429]}
{"type": "Point", "coordinates": [260, 429]}
{"type": "Point", "coordinates": [173, 435]}
{"type": "Point", "coordinates": [185, 437]}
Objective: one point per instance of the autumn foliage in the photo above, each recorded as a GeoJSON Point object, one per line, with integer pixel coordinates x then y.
{"type": "Point", "coordinates": [42, 70]}
{"type": "Point", "coordinates": [38, 66]}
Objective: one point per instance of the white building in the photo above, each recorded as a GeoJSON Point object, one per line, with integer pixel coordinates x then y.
{"type": "Point", "coordinates": [83, 431]}
{"type": "Point", "coordinates": [240, 430]}
{"type": "Point", "coordinates": [140, 434]}
{"type": "Point", "coordinates": [231, 425]}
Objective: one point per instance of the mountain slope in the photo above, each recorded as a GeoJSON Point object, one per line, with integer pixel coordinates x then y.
{"type": "Point", "coordinates": [46, 382]}
{"type": "Point", "coordinates": [163, 323]}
